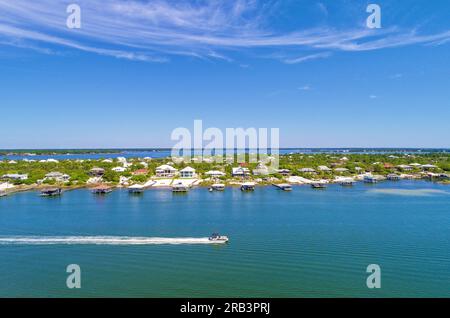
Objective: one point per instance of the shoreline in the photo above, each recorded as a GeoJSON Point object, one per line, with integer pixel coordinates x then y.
{"type": "Point", "coordinates": [147, 173]}
{"type": "Point", "coordinates": [35, 188]}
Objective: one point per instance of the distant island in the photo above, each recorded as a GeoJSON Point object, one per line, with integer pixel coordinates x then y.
{"type": "Point", "coordinates": [69, 151]}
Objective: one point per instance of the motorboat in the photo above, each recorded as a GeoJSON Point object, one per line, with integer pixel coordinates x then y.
{"type": "Point", "coordinates": [218, 238]}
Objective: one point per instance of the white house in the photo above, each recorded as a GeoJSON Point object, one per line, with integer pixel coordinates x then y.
{"type": "Point", "coordinates": [187, 172]}
{"type": "Point", "coordinates": [215, 173]}
{"type": "Point", "coordinates": [165, 171]}
{"type": "Point", "coordinates": [49, 160]}
{"type": "Point", "coordinates": [323, 168]}
{"type": "Point", "coordinates": [122, 159]}
{"type": "Point", "coordinates": [127, 164]}
{"type": "Point", "coordinates": [240, 172]}
{"type": "Point", "coordinates": [143, 163]}
{"type": "Point", "coordinates": [208, 160]}
{"type": "Point", "coordinates": [261, 170]}
{"type": "Point", "coordinates": [428, 166]}
{"type": "Point", "coordinates": [15, 176]}
{"type": "Point", "coordinates": [307, 170]}
{"type": "Point", "coordinates": [119, 169]}
{"type": "Point", "coordinates": [57, 176]}
{"type": "Point", "coordinates": [405, 167]}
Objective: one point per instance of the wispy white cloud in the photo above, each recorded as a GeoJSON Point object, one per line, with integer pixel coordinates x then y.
{"type": "Point", "coordinates": [155, 30]}
{"type": "Point", "coordinates": [305, 88]}
{"type": "Point", "coordinates": [305, 58]}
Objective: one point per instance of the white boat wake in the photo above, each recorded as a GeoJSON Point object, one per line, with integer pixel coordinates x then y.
{"type": "Point", "coordinates": [101, 240]}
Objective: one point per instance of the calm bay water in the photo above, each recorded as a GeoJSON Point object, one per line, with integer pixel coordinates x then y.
{"type": "Point", "coordinates": [298, 244]}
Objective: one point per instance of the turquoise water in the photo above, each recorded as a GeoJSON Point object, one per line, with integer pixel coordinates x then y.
{"type": "Point", "coordinates": [282, 244]}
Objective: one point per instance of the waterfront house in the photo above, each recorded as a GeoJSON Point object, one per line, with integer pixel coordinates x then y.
{"type": "Point", "coordinates": [187, 172]}
{"type": "Point", "coordinates": [15, 176]}
{"type": "Point", "coordinates": [97, 172]}
{"type": "Point", "coordinates": [165, 171]}
{"type": "Point", "coordinates": [57, 176]}
{"type": "Point", "coordinates": [405, 167]}
{"type": "Point", "coordinates": [307, 170]}
{"type": "Point", "coordinates": [261, 170]}
{"type": "Point", "coordinates": [240, 172]}
{"type": "Point", "coordinates": [428, 167]}
{"type": "Point", "coordinates": [324, 169]}
{"type": "Point", "coordinates": [215, 174]}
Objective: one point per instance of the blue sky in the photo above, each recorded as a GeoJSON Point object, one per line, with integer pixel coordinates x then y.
{"type": "Point", "coordinates": [138, 69]}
